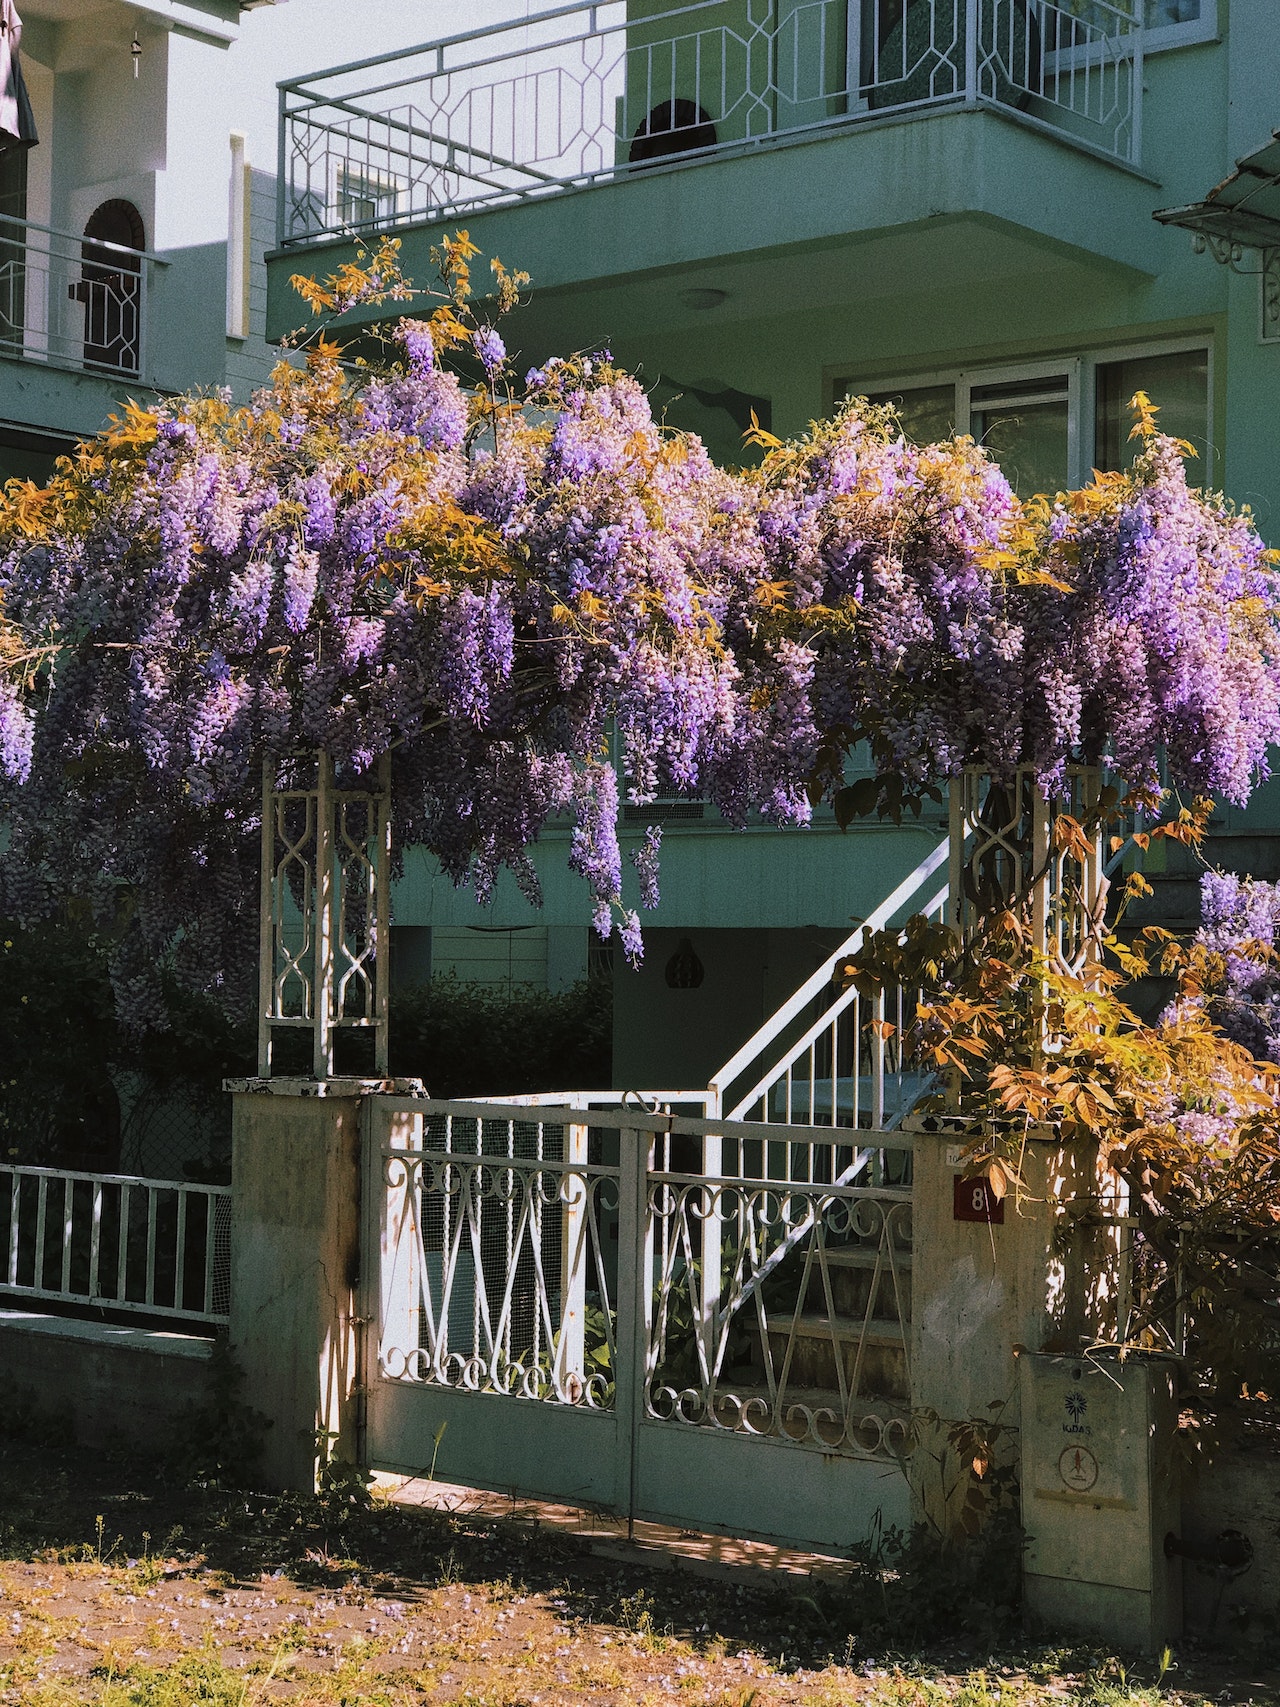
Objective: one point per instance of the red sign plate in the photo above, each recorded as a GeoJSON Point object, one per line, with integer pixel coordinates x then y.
{"type": "Point", "coordinates": [975, 1201]}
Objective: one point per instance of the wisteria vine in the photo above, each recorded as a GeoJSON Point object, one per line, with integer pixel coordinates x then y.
{"type": "Point", "coordinates": [528, 592]}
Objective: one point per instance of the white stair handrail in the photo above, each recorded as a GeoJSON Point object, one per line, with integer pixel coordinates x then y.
{"type": "Point", "coordinates": [817, 982]}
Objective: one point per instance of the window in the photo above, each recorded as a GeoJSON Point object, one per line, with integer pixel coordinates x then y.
{"type": "Point", "coordinates": [1027, 419]}
{"type": "Point", "coordinates": [1047, 425]}
{"type": "Point", "coordinates": [1026, 426]}
{"type": "Point", "coordinates": [1177, 382]}
{"type": "Point", "coordinates": [363, 197]}
{"type": "Point", "coordinates": [1178, 23]}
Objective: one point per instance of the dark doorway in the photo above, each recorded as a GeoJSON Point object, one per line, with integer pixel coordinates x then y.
{"type": "Point", "coordinates": [13, 247]}
{"type": "Point", "coordinates": [673, 127]}
{"type": "Point", "coordinates": [110, 287]}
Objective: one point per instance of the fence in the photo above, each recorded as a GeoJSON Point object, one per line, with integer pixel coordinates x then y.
{"type": "Point", "coordinates": [157, 1248]}
{"type": "Point", "coordinates": [71, 301]}
{"type": "Point", "coordinates": [1211, 1298]}
{"type": "Point", "coordinates": [632, 1289]}
{"type": "Point", "coordinates": [585, 92]}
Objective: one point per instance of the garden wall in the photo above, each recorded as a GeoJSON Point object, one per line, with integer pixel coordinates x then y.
{"type": "Point", "coordinates": [111, 1384]}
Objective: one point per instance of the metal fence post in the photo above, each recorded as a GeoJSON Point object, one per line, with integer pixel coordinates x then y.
{"type": "Point", "coordinates": [326, 934]}
{"type": "Point", "coordinates": [712, 1247]}
{"type": "Point", "coordinates": [570, 1372]}
{"type": "Point", "coordinates": [266, 919]}
{"type": "Point", "coordinates": [971, 51]}
{"type": "Point", "coordinates": [635, 1299]}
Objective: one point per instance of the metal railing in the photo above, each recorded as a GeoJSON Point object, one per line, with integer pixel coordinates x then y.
{"type": "Point", "coordinates": [526, 1256]}
{"type": "Point", "coordinates": [586, 92]}
{"type": "Point", "coordinates": [842, 1069]}
{"type": "Point", "coordinates": [153, 1247]}
{"type": "Point", "coordinates": [73, 301]}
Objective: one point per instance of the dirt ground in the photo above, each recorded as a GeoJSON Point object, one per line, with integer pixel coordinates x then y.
{"type": "Point", "coordinates": [122, 1587]}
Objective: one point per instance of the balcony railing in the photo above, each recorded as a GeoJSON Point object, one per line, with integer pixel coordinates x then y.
{"type": "Point", "coordinates": [589, 92]}
{"type": "Point", "coordinates": [73, 301]}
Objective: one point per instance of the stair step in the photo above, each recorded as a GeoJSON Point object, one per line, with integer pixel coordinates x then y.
{"type": "Point", "coordinates": [819, 1327]}
{"type": "Point", "coordinates": [866, 1256]}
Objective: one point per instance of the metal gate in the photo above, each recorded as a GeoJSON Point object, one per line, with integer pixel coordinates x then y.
{"type": "Point", "coordinates": [693, 1322]}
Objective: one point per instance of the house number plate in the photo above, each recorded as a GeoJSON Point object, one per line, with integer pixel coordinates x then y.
{"type": "Point", "coordinates": [975, 1201]}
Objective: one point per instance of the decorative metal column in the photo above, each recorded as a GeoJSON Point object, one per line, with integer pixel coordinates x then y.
{"type": "Point", "coordinates": [325, 911]}
{"type": "Point", "coordinates": [1010, 850]}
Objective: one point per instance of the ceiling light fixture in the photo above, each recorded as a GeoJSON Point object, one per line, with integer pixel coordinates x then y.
{"type": "Point", "coordinates": [704, 296]}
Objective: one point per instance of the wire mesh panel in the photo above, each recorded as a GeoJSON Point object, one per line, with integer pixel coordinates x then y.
{"type": "Point", "coordinates": [780, 1282]}
{"type": "Point", "coordinates": [498, 1263]}
{"type": "Point", "coordinates": [156, 1247]}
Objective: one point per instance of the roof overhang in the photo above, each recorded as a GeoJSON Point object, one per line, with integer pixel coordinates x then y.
{"type": "Point", "coordinates": [1243, 210]}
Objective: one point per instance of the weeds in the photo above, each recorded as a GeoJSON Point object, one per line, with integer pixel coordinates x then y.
{"type": "Point", "coordinates": [341, 1486]}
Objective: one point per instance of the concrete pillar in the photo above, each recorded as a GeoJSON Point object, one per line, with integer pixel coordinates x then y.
{"type": "Point", "coordinates": [990, 1280]}
{"type": "Point", "coordinates": [295, 1258]}
{"type": "Point", "coordinates": [1100, 1497]}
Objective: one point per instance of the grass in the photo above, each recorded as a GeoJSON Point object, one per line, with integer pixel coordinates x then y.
{"type": "Point", "coordinates": [246, 1601]}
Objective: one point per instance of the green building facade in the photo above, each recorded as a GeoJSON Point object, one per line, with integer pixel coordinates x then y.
{"type": "Point", "coordinates": [762, 205]}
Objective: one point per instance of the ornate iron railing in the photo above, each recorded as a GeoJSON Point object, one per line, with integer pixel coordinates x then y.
{"type": "Point", "coordinates": [151, 1247]}
{"type": "Point", "coordinates": [1008, 852]}
{"type": "Point", "coordinates": [781, 1287]}
{"type": "Point", "coordinates": [493, 1244]}
{"type": "Point", "coordinates": [73, 302]}
{"type": "Point", "coordinates": [732, 1280]}
{"type": "Point", "coordinates": [592, 91]}
{"type": "Point", "coordinates": [325, 913]}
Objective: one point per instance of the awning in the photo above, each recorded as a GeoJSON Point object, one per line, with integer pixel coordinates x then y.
{"type": "Point", "coordinates": [1244, 208]}
{"type": "Point", "coordinates": [17, 124]}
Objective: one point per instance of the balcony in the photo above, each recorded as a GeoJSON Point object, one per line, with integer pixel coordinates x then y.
{"type": "Point", "coordinates": [592, 93]}
{"type": "Point", "coordinates": [74, 302]}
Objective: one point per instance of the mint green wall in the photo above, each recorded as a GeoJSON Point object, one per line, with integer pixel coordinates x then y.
{"type": "Point", "coordinates": [939, 240]}
{"type": "Point", "coordinates": [721, 878]}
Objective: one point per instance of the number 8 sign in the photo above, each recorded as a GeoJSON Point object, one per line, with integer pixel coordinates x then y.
{"type": "Point", "coordinates": [975, 1201]}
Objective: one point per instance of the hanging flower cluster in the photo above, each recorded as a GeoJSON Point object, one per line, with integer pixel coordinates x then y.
{"type": "Point", "coordinates": [1240, 928]}
{"type": "Point", "coordinates": [1134, 622]}
{"type": "Point", "coordinates": [493, 582]}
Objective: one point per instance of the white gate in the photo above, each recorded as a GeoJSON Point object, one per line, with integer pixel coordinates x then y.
{"type": "Point", "coordinates": [693, 1322]}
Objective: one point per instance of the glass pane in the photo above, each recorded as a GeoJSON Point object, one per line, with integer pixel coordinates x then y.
{"type": "Point", "coordinates": [1028, 440]}
{"type": "Point", "coordinates": [1178, 384]}
{"type": "Point", "coordinates": [1172, 12]}
{"type": "Point", "coordinates": [1051, 390]}
{"type": "Point", "coordinates": [927, 412]}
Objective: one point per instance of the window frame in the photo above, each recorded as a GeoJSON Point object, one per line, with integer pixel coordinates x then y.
{"type": "Point", "coordinates": [385, 190]}
{"type": "Point", "coordinates": [1081, 368]}
{"type": "Point", "coordinates": [1159, 38]}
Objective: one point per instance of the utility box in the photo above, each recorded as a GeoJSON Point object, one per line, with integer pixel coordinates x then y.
{"type": "Point", "coordinates": [1100, 1495]}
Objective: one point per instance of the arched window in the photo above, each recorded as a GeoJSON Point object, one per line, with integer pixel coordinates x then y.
{"type": "Point", "coordinates": [110, 287]}
{"type": "Point", "coordinates": [673, 127]}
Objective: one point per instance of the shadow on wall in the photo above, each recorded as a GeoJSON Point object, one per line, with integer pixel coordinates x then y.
{"type": "Point", "coordinates": [672, 1029]}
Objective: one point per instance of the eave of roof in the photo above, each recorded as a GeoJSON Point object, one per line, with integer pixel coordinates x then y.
{"type": "Point", "coordinates": [1244, 208]}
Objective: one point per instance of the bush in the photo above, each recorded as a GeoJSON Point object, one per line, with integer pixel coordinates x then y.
{"type": "Point", "coordinates": [471, 1040]}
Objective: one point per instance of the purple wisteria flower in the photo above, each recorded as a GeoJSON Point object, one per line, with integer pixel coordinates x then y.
{"type": "Point", "coordinates": [489, 347]}
{"type": "Point", "coordinates": [376, 566]}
